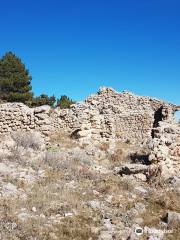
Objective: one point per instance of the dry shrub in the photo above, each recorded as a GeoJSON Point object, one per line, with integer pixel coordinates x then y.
{"type": "Point", "coordinates": [50, 197]}
{"type": "Point", "coordinates": [121, 153]}
{"type": "Point", "coordinates": [104, 146]}
{"type": "Point", "coordinates": [113, 184]}
{"type": "Point", "coordinates": [62, 139]}
{"type": "Point", "coordinates": [75, 164]}
{"type": "Point", "coordinates": [56, 160]}
{"type": "Point", "coordinates": [159, 204]}
{"type": "Point", "coordinates": [77, 228]}
{"type": "Point", "coordinates": [27, 140]}
{"type": "Point", "coordinates": [175, 235]}
{"type": "Point", "coordinates": [165, 199]}
{"type": "Point", "coordinates": [117, 156]}
{"type": "Point", "coordinates": [24, 147]}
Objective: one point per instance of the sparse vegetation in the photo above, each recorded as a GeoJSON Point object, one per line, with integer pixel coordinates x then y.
{"type": "Point", "coordinates": [67, 191]}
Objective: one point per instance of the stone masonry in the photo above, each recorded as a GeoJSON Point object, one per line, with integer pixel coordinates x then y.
{"type": "Point", "coordinates": [165, 145]}
{"type": "Point", "coordinates": [105, 115]}
{"type": "Point", "coordinates": [17, 116]}
{"type": "Point", "coordinates": [109, 114]}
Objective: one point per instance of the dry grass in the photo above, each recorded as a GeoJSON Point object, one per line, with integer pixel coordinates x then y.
{"type": "Point", "coordinates": [62, 139]}
{"type": "Point", "coordinates": [77, 228]}
{"type": "Point", "coordinates": [104, 146]}
{"type": "Point", "coordinates": [159, 204]}
{"type": "Point", "coordinates": [120, 154]}
{"type": "Point", "coordinates": [73, 167]}
{"type": "Point", "coordinates": [27, 140]}
{"type": "Point", "coordinates": [70, 182]}
{"type": "Point", "coordinates": [51, 198]}
{"type": "Point", "coordinates": [112, 185]}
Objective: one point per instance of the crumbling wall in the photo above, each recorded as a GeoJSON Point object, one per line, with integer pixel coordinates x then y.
{"type": "Point", "coordinates": [17, 116]}
{"type": "Point", "coordinates": [107, 114]}
{"type": "Point", "coordinates": [165, 145]}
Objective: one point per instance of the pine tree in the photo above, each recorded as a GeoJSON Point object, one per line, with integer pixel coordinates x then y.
{"type": "Point", "coordinates": [43, 99]}
{"type": "Point", "coordinates": [65, 102]}
{"type": "Point", "coordinates": [15, 81]}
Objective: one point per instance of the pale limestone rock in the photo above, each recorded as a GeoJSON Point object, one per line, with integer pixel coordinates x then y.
{"type": "Point", "coordinates": [173, 218]}
{"type": "Point", "coordinates": [94, 204]}
{"type": "Point", "coordinates": [42, 109]}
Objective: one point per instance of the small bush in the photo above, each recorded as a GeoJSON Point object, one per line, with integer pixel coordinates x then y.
{"type": "Point", "coordinates": [28, 140]}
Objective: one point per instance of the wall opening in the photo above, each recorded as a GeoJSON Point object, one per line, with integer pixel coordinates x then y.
{"type": "Point", "coordinates": [158, 116]}
{"type": "Point", "coordinates": [177, 116]}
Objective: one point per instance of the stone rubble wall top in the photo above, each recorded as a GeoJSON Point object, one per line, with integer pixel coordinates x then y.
{"type": "Point", "coordinates": [107, 114]}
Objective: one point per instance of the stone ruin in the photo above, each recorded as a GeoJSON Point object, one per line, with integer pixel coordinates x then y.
{"type": "Point", "coordinates": [103, 116]}
{"type": "Point", "coordinates": [112, 115]}
{"type": "Point", "coordinates": [165, 144]}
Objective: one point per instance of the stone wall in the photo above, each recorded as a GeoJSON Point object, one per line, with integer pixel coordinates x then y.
{"type": "Point", "coordinates": [165, 145]}
{"type": "Point", "coordinates": [17, 116]}
{"type": "Point", "coordinates": [107, 114]}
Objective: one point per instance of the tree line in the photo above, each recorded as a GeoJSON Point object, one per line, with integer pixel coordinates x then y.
{"type": "Point", "coordinates": [15, 85]}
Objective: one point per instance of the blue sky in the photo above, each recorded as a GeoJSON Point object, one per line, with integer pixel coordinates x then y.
{"type": "Point", "coordinates": [74, 47]}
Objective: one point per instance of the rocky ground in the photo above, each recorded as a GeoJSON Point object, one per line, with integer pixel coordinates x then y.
{"type": "Point", "coordinates": [84, 191]}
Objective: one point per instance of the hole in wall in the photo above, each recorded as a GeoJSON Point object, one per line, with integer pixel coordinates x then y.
{"type": "Point", "coordinates": [177, 116]}
{"type": "Point", "coordinates": [158, 117]}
